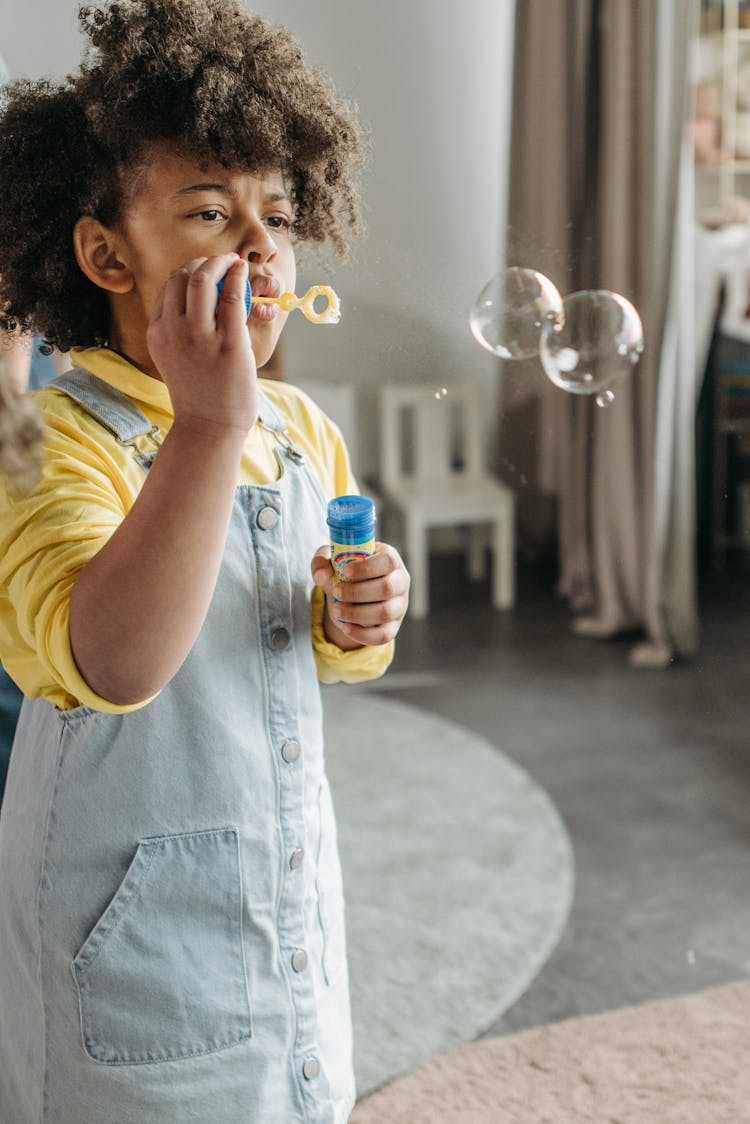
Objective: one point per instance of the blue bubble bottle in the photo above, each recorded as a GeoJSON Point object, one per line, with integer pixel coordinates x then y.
{"type": "Point", "coordinates": [351, 522]}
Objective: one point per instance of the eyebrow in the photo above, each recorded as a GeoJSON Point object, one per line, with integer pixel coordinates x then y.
{"type": "Point", "coordinates": [225, 189]}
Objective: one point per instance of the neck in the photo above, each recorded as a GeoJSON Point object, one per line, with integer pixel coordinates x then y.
{"type": "Point", "coordinates": [128, 339]}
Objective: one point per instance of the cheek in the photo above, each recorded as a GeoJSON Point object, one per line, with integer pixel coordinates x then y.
{"type": "Point", "coordinates": [150, 275]}
{"type": "Point", "coordinates": [286, 270]}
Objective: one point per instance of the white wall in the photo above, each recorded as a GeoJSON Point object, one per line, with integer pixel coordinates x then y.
{"type": "Point", "coordinates": [39, 38]}
{"type": "Point", "coordinates": [434, 87]}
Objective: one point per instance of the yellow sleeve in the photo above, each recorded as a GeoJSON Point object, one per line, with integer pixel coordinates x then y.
{"type": "Point", "coordinates": [47, 537]}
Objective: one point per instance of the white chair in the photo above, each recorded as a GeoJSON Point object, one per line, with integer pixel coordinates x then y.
{"type": "Point", "coordinates": [431, 470]}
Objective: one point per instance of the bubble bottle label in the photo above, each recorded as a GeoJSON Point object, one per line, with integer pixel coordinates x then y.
{"type": "Point", "coordinates": [351, 522]}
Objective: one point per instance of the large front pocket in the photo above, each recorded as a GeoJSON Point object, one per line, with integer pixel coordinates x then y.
{"type": "Point", "coordinates": [162, 975]}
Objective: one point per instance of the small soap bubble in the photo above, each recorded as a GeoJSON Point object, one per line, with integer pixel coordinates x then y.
{"type": "Point", "coordinates": [598, 342]}
{"type": "Point", "coordinates": [567, 359]}
{"type": "Point", "coordinates": [511, 311]}
{"type": "Point", "coordinates": [441, 393]}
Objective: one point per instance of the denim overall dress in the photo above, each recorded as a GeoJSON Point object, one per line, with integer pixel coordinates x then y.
{"type": "Point", "coordinates": [171, 914]}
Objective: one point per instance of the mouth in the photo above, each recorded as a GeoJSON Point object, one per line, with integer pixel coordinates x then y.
{"type": "Point", "coordinates": [264, 286]}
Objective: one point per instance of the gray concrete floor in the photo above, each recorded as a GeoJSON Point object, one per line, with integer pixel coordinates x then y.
{"type": "Point", "coordinates": [650, 770]}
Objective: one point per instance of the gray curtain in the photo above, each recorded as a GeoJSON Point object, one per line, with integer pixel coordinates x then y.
{"type": "Point", "coordinates": [597, 201]}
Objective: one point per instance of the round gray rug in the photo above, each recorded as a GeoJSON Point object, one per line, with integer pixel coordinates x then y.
{"type": "Point", "coordinates": [458, 876]}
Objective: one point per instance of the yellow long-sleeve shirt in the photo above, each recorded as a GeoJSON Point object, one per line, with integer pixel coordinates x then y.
{"type": "Point", "coordinates": [89, 484]}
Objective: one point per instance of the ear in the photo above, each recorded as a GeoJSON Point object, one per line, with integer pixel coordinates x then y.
{"type": "Point", "coordinates": [95, 247]}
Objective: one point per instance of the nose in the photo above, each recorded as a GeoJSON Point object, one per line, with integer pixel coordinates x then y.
{"type": "Point", "coordinates": [258, 245]}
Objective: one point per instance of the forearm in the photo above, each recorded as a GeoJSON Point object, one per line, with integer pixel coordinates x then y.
{"type": "Point", "coordinates": [137, 607]}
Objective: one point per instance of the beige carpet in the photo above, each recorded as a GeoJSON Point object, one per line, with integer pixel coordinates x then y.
{"type": "Point", "coordinates": [677, 1061]}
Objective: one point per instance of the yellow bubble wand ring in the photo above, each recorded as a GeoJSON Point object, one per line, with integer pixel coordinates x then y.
{"type": "Point", "coordinates": [287, 302]}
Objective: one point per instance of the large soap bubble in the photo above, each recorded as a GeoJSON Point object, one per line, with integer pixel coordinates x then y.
{"type": "Point", "coordinates": [596, 343]}
{"type": "Point", "coordinates": [512, 310]}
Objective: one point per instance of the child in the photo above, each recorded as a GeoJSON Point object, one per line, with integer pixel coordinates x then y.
{"type": "Point", "coordinates": [172, 925]}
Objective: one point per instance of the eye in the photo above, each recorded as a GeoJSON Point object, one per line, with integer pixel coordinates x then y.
{"type": "Point", "coordinates": [279, 222]}
{"type": "Point", "coordinates": [212, 215]}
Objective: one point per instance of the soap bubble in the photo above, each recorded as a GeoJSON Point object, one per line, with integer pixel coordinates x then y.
{"type": "Point", "coordinates": [441, 393]}
{"type": "Point", "coordinates": [605, 398]}
{"type": "Point", "coordinates": [596, 342]}
{"type": "Point", "coordinates": [511, 311]}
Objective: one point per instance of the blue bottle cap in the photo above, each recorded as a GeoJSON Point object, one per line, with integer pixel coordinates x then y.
{"type": "Point", "coordinates": [248, 294]}
{"type": "Point", "coordinates": [351, 513]}
{"type": "Point", "coordinates": [351, 519]}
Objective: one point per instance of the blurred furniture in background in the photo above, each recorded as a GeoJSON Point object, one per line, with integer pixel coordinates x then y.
{"type": "Point", "coordinates": [720, 132]}
{"type": "Point", "coordinates": [432, 472]}
{"type": "Point", "coordinates": [722, 341]}
{"type": "Point", "coordinates": [720, 125]}
{"type": "Point", "coordinates": [730, 470]}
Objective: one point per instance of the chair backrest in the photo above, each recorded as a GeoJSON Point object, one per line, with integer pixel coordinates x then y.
{"type": "Point", "coordinates": [429, 434]}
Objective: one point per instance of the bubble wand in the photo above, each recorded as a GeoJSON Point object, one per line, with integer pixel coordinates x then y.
{"type": "Point", "coordinates": [287, 302]}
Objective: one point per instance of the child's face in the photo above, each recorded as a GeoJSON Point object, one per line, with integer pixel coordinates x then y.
{"type": "Point", "coordinates": [180, 211]}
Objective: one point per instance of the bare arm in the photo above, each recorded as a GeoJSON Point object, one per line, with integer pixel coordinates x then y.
{"type": "Point", "coordinates": [138, 605]}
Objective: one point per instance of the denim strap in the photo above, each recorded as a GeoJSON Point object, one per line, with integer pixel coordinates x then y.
{"type": "Point", "coordinates": [112, 408]}
{"type": "Point", "coordinates": [126, 422]}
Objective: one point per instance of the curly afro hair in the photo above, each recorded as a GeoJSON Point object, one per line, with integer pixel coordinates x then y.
{"type": "Point", "coordinates": [201, 75]}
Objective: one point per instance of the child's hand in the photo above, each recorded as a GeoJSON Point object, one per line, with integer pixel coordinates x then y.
{"type": "Point", "coordinates": [369, 606]}
{"type": "Point", "coordinates": [206, 359]}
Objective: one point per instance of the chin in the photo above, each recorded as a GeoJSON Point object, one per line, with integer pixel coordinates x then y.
{"type": "Point", "coordinates": [264, 356]}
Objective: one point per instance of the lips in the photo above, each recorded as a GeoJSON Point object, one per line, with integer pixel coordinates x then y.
{"type": "Point", "coordinates": [264, 286]}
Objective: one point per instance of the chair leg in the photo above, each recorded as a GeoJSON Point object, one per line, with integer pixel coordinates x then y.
{"type": "Point", "coordinates": [504, 561]}
{"type": "Point", "coordinates": [720, 505]}
{"type": "Point", "coordinates": [417, 557]}
{"type": "Point", "coordinates": [476, 552]}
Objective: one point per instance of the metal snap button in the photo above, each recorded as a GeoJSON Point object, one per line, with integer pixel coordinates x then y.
{"type": "Point", "coordinates": [299, 960]}
{"type": "Point", "coordinates": [291, 750]}
{"type": "Point", "coordinates": [267, 519]}
{"type": "Point", "coordinates": [310, 1068]}
{"type": "Point", "coordinates": [279, 639]}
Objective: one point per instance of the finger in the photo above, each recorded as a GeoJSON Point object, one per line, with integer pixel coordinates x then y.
{"type": "Point", "coordinates": [385, 559]}
{"type": "Point", "coordinates": [201, 296]}
{"type": "Point", "coordinates": [371, 637]}
{"type": "Point", "coordinates": [320, 567]}
{"type": "Point", "coordinates": [368, 616]}
{"type": "Point", "coordinates": [172, 294]}
{"type": "Point", "coordinates": [158, 310]}
{"type": "Point", "coordinates": [232, 314]}
{"type": "Point", "coordinates": [393, 584]}
{"type": "Point", "coordinates": [195, 263]}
